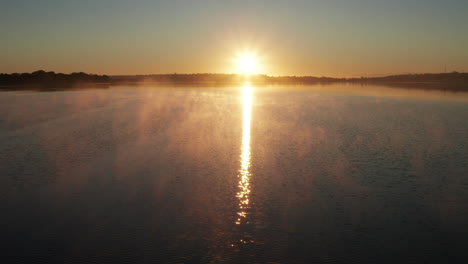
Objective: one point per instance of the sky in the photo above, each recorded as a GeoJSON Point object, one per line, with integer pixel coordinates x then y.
{"type": "Point", "coordinates": [338, 38]}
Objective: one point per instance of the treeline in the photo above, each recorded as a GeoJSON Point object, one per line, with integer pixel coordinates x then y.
{"type": "Point", "coordinates": [452, 77]}
{"type": "Point", "coordinates": [51, 78]}
{"type": "Point", "coordinates": [214, 78]}
{"type": "Point", "coordinates": [456, 78]}
{"type": "Point", "coordinates": [178, 78]}
{"type": "Point", "coordinates": [296, 79]}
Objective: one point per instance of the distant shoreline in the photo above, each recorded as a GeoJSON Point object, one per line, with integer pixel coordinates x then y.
{"type": "Point", "coordinates": [450, 81]}
{"type": "Point", "coordinates": [51, 80]}
{"type": "Point", "coordinates": [43, 79]}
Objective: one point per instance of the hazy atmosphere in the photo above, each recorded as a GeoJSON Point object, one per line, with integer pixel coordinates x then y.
{"type": "Point", "coordinates": [330, 38]}
{"type": "Point", "coordinates": [279, 132]}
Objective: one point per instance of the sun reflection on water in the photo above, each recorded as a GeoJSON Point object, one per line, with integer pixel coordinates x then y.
{"type": "Point", "coordinates": [244, 172]}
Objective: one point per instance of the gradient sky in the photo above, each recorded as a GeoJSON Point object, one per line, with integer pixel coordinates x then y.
{"type": "Point", "coordinates": [330, 38]}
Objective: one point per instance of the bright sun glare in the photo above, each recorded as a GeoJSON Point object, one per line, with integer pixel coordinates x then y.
{"type": "Point", "coordinates": [247, 64]}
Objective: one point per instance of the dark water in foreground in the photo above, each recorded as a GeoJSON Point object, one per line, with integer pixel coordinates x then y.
{"type": "Point", "coordinates": [329, 174]}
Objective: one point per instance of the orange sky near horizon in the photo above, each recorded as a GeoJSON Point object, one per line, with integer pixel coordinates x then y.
{"type": "Point", "coordinates": [337, 38]}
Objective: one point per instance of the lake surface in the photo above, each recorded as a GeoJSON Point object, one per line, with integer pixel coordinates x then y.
{"type": "Point", "coordinates": [280, 174]}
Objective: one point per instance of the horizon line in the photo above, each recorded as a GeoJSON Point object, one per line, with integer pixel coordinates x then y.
{"type": "Point", "coordinates": [256, 74]}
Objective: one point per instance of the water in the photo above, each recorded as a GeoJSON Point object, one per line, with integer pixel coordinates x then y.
{"type": "Point", "coordinates": [282, 174]}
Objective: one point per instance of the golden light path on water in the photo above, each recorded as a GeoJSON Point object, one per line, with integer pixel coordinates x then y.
{"type": "Point", "coordinates": [244, 172]}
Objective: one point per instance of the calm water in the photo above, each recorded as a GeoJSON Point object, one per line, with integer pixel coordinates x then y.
{"type": "Point", "coordinates": [285, 174]}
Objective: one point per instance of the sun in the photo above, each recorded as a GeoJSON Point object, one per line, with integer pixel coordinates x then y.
{"type": "Point", "coordinates": [247, 64]}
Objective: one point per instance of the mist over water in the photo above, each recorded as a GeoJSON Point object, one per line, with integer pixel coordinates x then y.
{"type": "Point", "coordinates": [281, 174]}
